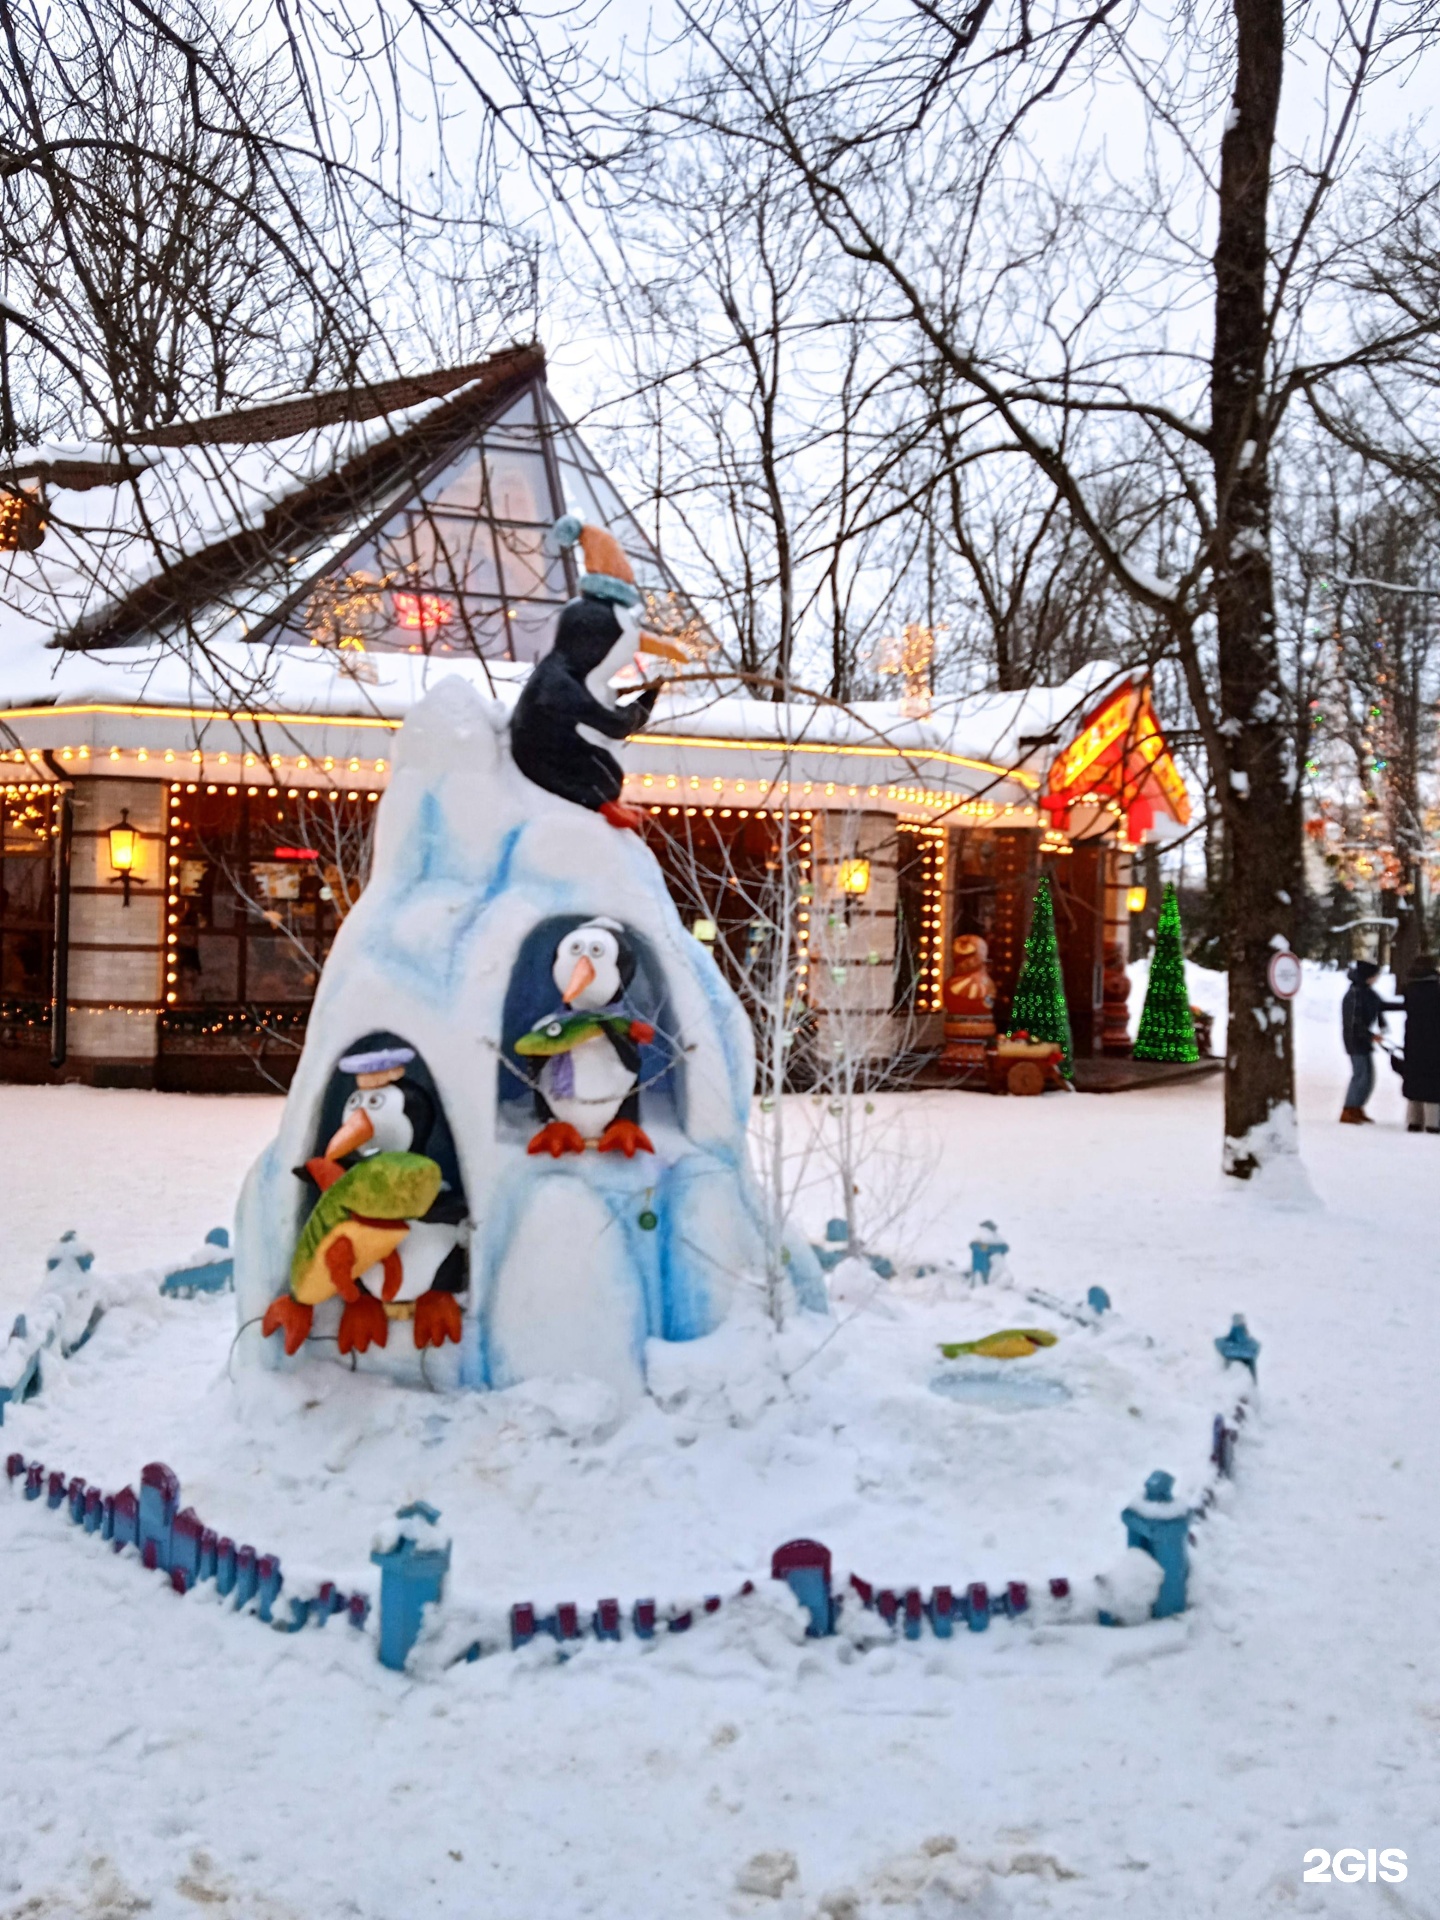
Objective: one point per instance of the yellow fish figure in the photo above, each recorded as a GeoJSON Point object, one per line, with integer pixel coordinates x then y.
{"type": "Point", "coordinates": [1011, 1343]}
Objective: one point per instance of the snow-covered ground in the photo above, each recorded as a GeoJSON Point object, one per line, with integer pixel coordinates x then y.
{"type": "Point", "coordinates": [161, 1756]}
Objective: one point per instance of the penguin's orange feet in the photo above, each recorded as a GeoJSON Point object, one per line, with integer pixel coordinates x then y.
{"type": "Point", "coordinates": [623, 1136]}
{"type": "Point", "coordinates": [362, 1324]}
{"type": "Point", "coordinates": [619, 815]}
{"type": "Point", "coordinates": [437, 1319]}
{"type": "Point", "coordinates": [340, 1261]}
{"type": "Point", "coordinates": [287, 1316]}
{"type": "Point", "coordinates": [557, 1137]}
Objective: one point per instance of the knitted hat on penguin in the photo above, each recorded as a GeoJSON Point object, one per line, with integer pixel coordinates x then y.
{"type": "Point", "coordinates": [608, 574]}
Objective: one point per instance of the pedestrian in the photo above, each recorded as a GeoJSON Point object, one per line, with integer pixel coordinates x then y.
{"type": "Point", "coordinates": [1361, 1011]}
{"type": "Point", "coordinates": [1420, 1070]}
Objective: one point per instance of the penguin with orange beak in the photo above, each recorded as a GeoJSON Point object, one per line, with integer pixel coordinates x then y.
{"type": "Point", "coordinates": [385, 1234]}
{"type": "Point", "coordinates": [587, 1093]}
{"type": "Point", "coordinates": [568, 706]}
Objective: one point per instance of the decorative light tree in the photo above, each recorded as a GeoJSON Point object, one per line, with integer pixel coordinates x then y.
{"type": "Point", "coordinates": [1039, 1005]}
{"type": "Point", "coordinates": [1167, 1031]}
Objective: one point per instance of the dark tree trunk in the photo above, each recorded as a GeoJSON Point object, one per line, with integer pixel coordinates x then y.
{"type": "Point", "coordinates": [1262, 813]}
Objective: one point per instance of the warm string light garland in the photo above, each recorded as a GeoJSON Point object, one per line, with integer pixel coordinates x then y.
{"type": "Point", "coordinates": [930, 957]}
{"type": "Point", "coordinates": [804, 894]}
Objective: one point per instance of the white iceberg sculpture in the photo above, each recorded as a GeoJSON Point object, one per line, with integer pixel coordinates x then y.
{"type": "Point", "coordinates": [574, 1262]}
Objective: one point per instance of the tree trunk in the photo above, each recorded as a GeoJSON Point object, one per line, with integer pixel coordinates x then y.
{"type": "Point", "coordinates": [1262, 812]}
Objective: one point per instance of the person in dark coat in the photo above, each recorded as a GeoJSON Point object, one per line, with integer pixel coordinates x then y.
{"type": "Point", "coordinates": [1420, 1082]}
{"type": "Point", "coordinates": [1361, 1011]}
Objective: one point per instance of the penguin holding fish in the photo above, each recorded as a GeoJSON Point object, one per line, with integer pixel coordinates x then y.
{"type": "Point", "coordinates": [587, 1092]}
{"type": "Point", "coordinates": [385, 1234]}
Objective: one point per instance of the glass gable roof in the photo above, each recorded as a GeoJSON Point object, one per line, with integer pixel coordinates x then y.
{"type": "Point", "coordinates": [467, 564]}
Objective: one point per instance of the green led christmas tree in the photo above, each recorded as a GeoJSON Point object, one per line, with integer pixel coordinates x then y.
{"type": "Point", "coordinates": [1039, 1004]}
{"type": "Point", "coordinates": [1167, 1031]}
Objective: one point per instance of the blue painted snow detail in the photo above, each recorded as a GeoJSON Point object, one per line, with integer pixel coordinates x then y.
{"type": "Point", "coordinates": [1006, 1392]}
{"type": "Point", "coordinates": [215, 1275]}
{"type": "Point", "coordinates": [1098, 1299]}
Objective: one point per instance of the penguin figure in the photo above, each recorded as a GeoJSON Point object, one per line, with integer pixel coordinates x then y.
{"type": "Point", "coordinates": [588, 1088]}
{"type": "Point", "coordinates": [568, 700]}
{"type": "Point", "coordinates": [391, 1197]}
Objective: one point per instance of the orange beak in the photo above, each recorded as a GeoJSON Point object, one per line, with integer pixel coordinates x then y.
{"type": "Point", "coordinates": [352, 1135]}
{"type": "Point", "coordinates": [580, 979]}
{"type": "Point", "coordinates": [666, 649]}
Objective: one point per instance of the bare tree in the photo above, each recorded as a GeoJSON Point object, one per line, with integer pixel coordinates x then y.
{"type": "Point", "coordinates": [1049, 297]}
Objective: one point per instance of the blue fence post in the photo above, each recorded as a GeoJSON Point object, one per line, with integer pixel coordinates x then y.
{"type": "Point", "coordinates": [1239, 1345]}
{"type": "Point", "coordinates": [1160, 1525]}
{"type": "Point", "coordinates": [984, 1252]}
{"type": "Point", "coordinates": [412, 1576]}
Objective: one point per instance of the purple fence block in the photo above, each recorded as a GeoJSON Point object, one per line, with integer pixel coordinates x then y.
{"type": "Point", "coordinates": [224, 1565]}
{"type": "Point", "coordinates": [55, 1489]}
{"type": "Point", "coordinates": [127, 1519]}
{"type": "Point", "coordinates": [185, 1545]}
{"type": "Point", "coordinates": [244, 1576]}
{"type": "Point", "coordinates": [179, 1579]}
{"type": "Point", "coordinates": [268, 1582]}
{"type": "Point", "coordinates": [863, 1589]}
{"type": "Point", "coordinates": [1059, 1589]}
{"type": "Point", "coordinates": [680, 1622]}
{"type": "Point", "coordinates": [642, 1619]}
{"type": "Point", "coordinates": [522, 1623]}
{"type": "Point", "coordinates": [607, 1620]}
{"type": "Point", "coordinates": [977, 1606]}
{"type": "Point", "coordinates": [208, 1545]}
{"type": "Point", "coordinates": [34, 1480]}
{"type": "Point", "coordinates": [358, 1609]}
{"type": "Point", "coordinates": [1017, 1598]}
{"type": "Point", "coordinates": [567, 1621]}
{"type": "Point", "coordinates": [712, 1603]}
{"type": "Point", "coordinates": [804, 1565]}
{"type": "Point", "coordinates": [942, 1613]}
{"type": "Point", "coordinates": [107, 1517]}
{"type": "Point", "coordinates": [75, 1497]}
{"type": "Point", "coordinates": [327, 1601]}
{"type": "Point", "coordinates": [887, 1605]}
{"type": "Point", "coordinates": [14, 1466]}
{"type": "Point", "coordinates": [914, 1611]}
{"type": "Point", "coordinates": [159, 1500]}
{"type": "Point", "coordinates": [94, 1510]}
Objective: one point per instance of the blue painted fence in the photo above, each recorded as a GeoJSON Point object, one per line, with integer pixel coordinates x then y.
{"type": "Point", "coordinates": [174, 1541]}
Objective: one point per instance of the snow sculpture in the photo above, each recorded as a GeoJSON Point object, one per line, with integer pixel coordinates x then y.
{"type": "Point", "coordinates": [453, 955]}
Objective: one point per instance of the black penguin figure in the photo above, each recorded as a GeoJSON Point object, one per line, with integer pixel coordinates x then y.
{"type": "Point", "coordinates": [588, 1089]}
{"type": "Point", "coordinates": [569, 690]}
{"type": "Point", "coordinates": [390, 1113]}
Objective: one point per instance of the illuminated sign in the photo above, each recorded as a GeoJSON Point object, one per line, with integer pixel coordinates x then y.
{"type": "Point", "coordinates": [1119, 755]}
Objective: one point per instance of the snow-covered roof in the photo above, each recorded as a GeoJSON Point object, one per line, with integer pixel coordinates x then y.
{"type": "Point", "coordinates": [213, 525]}
{"type": "Point", "coordinates": [295, 701]}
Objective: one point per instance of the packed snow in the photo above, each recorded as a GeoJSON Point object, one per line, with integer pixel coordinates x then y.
{"type": "Point", "coordinates": [164, 1756]}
